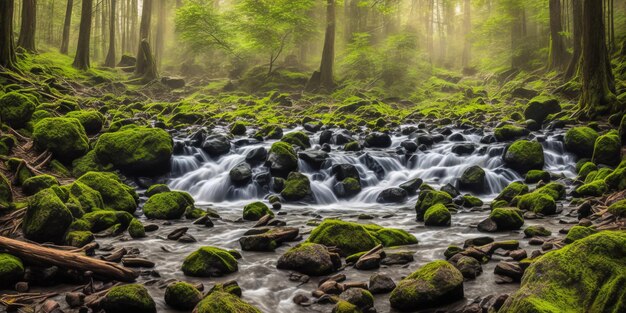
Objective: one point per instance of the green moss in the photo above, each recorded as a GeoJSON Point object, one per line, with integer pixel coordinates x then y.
{"type": "Point", "coordinates": [297, 187]}
{"type": "Point", "coordinates": [255, 210]}
{"type": "Point", "coordinates": [128, 298]}
{"type": "Point", "coordinates": [307, 258]}
{"type": "Point", "coordinates": [511, 191]}
{"type": "Point", "coordinates": [617, 179]}
{"type": "Point", "coordinates": [586, 169]}
{"type": "Point", "coordinates": [78, 238]}
{"type": "Point", "coordinates": [157, 188]}
{"type": "Point", "coordinates": [11, 270]}
{"type": "Point", "coordinates": [427, 199]}
{"type": "Point", "coordinates": [538, 203]}
{"type": "Point", "coordinates": [297, 138]}
{"type": "Point", "coordinates": [598, 175]}
{"type": "Point", "coordinates": [507, 218]}
{"type": "Point", "coordinates": [535, 176]}
{"type": "Point", "coordinates": [64, 137]}
{"type": "Point", "coordinates": [352, 146]}
{"type": "Point", "coordinates": [451, 251]}
{"type": "Point", "coordinates": [524, 155]}
{"type": "Point", "coordinates": [586, 276]}
{"type": "Point", "coordinates": [47, 218]}
{"type": "Point", "coordinates": [350, 238]}
{"type": "Point", "coordinates": [91, 120]}
{"type": "Point", "coordinates": [182, 296]}
{"type": "Point", "coordinates": [167, 205]}
{"type": "Point", "coordinates": [593, 189]}
{"type": "Point", "coordinates": [139, 150]}
{"type": "Point", "coordinates": [88, 198]}
{"type": "Point", "coordinates": [209, 262]}
{"type": "Point", "coordinates": [223, 302]}
{"type": "Point", "coordinates": [89, 162]}
{"type": "Point", "coordinates": [18, 166]}
{"type": "Point", "coordinates": [35, 184]}
{"type": "Point", "coordinates": [136, 229]}
{"type": "Point", "coordinates": [607, 149]}
{"type": "Point", "coordinates": [238, 128]}
{"type": "Point", "coordinates": [16, 109]}
{"type": "Point", "coordinates": [532, 231]}
{"type": "Point", "coordinates": [115, 195]}
{"type": "Point", "coordinates": [509, 132]}
{"type": "Point", "coordinates": [578, 232]}
{"type": "Point", "coordinates": [581, 140]}
{"type": "Point", "coordinates": [345, 307]}
{"type": "Point", "coordinates": [391, 237]}
{"type": "Point", "coordinates": [6, 196]}
{"type": "Point", "coordinates": [270, 132]}
{"type": "Point", "coordinates": [470, 201]}
{"type": "Point", "coordinates": [104, 219]}
{"type": "Point", "coordinates": [437, 215]}
{"type": "Point", "coordinates": [554, 190]}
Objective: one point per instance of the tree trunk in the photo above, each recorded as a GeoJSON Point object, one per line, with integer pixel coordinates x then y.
{"type": "Point", "coordinates": [81, 60]}
{"type": "Point", "coordinates": [577, 25]}
{"type": "Point", "coordinates": [65, 41]}
{"type": "Point", "coordinates": [328, 54]}
{"type": "Point", "coordinates": [160, 33]}
{"type": "Point", "coordinates": [518, 58]}
{"type": "Point", "coordinates": [467, 29]}
{"type": "Point", "coordinates": [144, 34]}
{"type": "Point", "coordinates": [150, 72]}
{"type": "Point", "coordinates": [598, 84]}
{"type": "Point", "coordinates": [7, 49]}
{"type": "Point", "coordinates": [110, 60]}
{"type": "Point", "coordinates": [26, 40]}
{"type": "Point", "coordinates": [558, 52]}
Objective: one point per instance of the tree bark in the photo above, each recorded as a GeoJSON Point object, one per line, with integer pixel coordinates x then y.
{"type": "Point", "coordinates": [110, 60]}
{"type": "Point", "coordinates": [160, 33]}
{"type": "Point", "coordinates": [328, 54]}
{"type": "Point", "coordinates": [558, 52]}
{"type": "Point", "coordinates": [150, 72]}
{"type": "Point", "coordinates": [65, 40]}
{"type": "Point", "coordinates": [26, 40]}
{"type": "Point", "coordinates": [144, 34]}
{"type": "Point", "coordinates": [467, 29]}
{"type": "Point", "coordinates": [518, 34]}
{"type": "Point", "coordinates": [7, 48]}
{"type": "Point", "coordinates": [81, 60]}
{"type": "Point", "coordinates": [577, 25]}
{"type": "Point", "coordinates": [598, 84]}
{"type": "Point", "coordinates": [66, 259]}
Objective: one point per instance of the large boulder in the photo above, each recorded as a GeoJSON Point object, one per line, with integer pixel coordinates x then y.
{"type": "Point", "coordinates": [216, 145]}
{"type": "Point", "coordinates": [16, 109]}
{"type": "Point", "coordinates": [11, 270]}
{"type": "Point", "coordinates": [297, 188]}
{"type": "Point", "coordinates": [128, 298]}
{"type": "Point", "coordinates": [580, 141]}
{"type": "Point", "coordinates": [100, 220]}
{"type": "Point", "coordinates": [255, 210]}
{"type": "Point", "coordinates": [224, 302]}
{"type": "Point", "coordinates": [145, 151]}
{"type": "Point", "coordinates": [507, 218]}
{"type": "Point", "coordinates": [116, 195]}
{"type": "Point", "coordinates": [607, 149]}
{"type": "Point", "coordinates": [348, 237]}
{"type": "Point", "coordinates": [427, 199]}
{"type": "Point", "coordinates": [310, 259]}
{"type": "Point", "coordinates": [511, 191]}
{"type": "Point", "coordinates": [524, 155]}
{"type": "Point", "coordinates": [585, 276]}
{"type": "Point", "coordinates": [182, 296]}
{"type": "Point", "coordinates": [209, 262]}
{"type": "Point", "coordinates": [91, 120]}
{"type": "Point", "coordinates": [282, 159]}
{"type": "Point", "coordinates": [437, 215]}
{"type": "Point", "coordinates": [64, 137]}
{"type": "Point", "coordinates": [47, 218]}
{"type": "Point", "coordinates": [392, 195]}
{"type": "Point", "coordinates": [540, 107]}
{"type": "Point", "coordinates": [168, 205]}
{"type": "Point", "coordinates": [473, 179]}
{"type": "Point", "coordinates": [434, 284]}
{"type": "Point", "coordinates": [537, 202]}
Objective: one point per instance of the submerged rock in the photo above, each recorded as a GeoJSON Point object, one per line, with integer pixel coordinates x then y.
{"type": "Point", "coordinates": [241, 174]}
{"type": "Point", "coordinates": [392, 195]}
{"type": "Point", "coordinates": [473, 179]}
{"type": "Point", "coordinates": [297, 188]}
{"type": "Point", "coordinates": [282, 159]}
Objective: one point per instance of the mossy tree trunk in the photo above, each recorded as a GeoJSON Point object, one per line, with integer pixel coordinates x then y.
{"type": "Point", "coordinates": [150, 73]}
{"type": "Point", "coordinates": [577, 24]}
{"type": "Point", "coordinates": [7, 48]}
{"type": "Point", "coordinates": [598, 85]}
{"type": "Point", "coordinates": [65, 39]}
{"type": "Point", "coordinates": [81, 60]}
{"type": "Point", "coordinates": [26, 40]}
{"type": "Point", "coordinates": [110, 60]}
{"type": "Point", "coordinates": [144, 34]}
{"type": "Point", "coordinates": [558, 52]}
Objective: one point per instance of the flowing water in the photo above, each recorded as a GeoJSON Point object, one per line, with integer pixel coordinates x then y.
{"type": "Point", "coordinates": [207, 180]}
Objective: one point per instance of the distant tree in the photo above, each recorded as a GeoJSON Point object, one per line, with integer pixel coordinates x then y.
{"type": "Point", "coordinates": [65, 40]}
{"type": "Point", "coordinates": [110, 59]}
{"type": "Point", "coordinates": [26, 40]}
{"type": "Point", "coordinates": [81, 60]}
{"type": "Point", "coordinates": [7, 48]}
{"type": "Point", "coordinates": [144, 33]}
{"type": "Point", "coordinates": [324, 79]}
{"type": "Point", "coordinates": [558, 51]}
{"type": "Point", "coordinates": [467, 29]}
{"type": "Point", "coordinates": [203, 28]}
{"type": "Point", "coordinates": [577, 26]}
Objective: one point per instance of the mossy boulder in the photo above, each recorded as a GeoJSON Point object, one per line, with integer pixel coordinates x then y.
{"type": "Point", "coordinates": [540, 107]}
{"type": "Point", "coordinates": [169, 205]}
{"type": "Point", "coordinates": [269, 132]}
{"type": "Point", "coordinates": [391, 237]}
{"type": "Point", "coordinates": [437, 215]}
{"type": "Point", "coordinates": [349, 237]}
{"type": "Point", "coordinates": [533, 231]}
{"type": "Point", "coordinates": [89, 163]}
{"type": "Point", "coordinates": [297, 138]}
{"type": "Point", "coordinates": [470, 201]}
{"type": "Point", "coordinates": [140, 150]}
{"type": "Point", "coordinates": [297, 188]}
{"type": "Point", "coordinates": [509, 132]}
{"type": "Point", "coordinates": [310, 259]}
{"type": "Point", "coordinates": [579, 232]}
{"type": "Point", "coordinates": [427, 199]}
{"type": "Point", "coordinates": [128, 298]}
{"type": "Point", "coordinates": [157, 188]}
{"type": "Point", "coordinates": [434, 284]}
{"type": "Point", "coordinates": [78, 238]}
{"type": "Point", "coordinates": [136, 229]}
{"type": "Point", "coordinates": [104, 219]}
{"type": "Point", "coordinates": [209, 262]}
{"type": "Point", "coordinates": [224, 302]}
{"type": "Point", "coordinates": [35, 184]}
{"type": "Point", "coordinates": [11, 270]}
{"type": "Point", "coordinates": [473, 179]}
{"type": "Point", "coordinates": [554, 190]}
{"type": "Point", "coordinates": [535, 176]}
{"type": "Point", "coordinates": [524, 155]}
{"type": "Point", "coordinates": [581, 141]}
{"type": "Point", "coordinates": [115, 194]}
{"type": "Point", "coordinates": [64, 137]}
{"type": "Point", "coordinates": [90, 119]}
{"type": "Point", "coordinates": [507, 218]}
{"type": "Point", "coordinates": [586, 276]}
{"type": "Point", "coordinates": [538, 203]}
{"type": "Point", "coordinates": [238, 128]}
{"type": "Point", "coordinates": [16, 109]}
{"type": "Point", "coordinates": [607, 149]}
{"type": "Point", "coordinates": [47, 218]}
{"type": "Point", "coordinates": [282, 159]}
{"type": "Point", "coordinates": [618, 208]}
{"type": "Point", "coordinates": [593, 189]}
{"type": "Point", "coordinates": [182, 296]}
{"type": "Point", "coordinates": [6, 196]}
{"type": "Point", "coordinates": [88, 198]}
{"type": "Point", "coordinates": [345, 307]}
{"type": "Point", "coordinates": [255, 210]}
{"type": "Point", "coordinates": [617, 179]}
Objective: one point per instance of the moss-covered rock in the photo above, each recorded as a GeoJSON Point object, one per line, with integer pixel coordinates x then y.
{"type": "Point", "coordinates": [297, 188]}
{"type": "Point", "coordinates": [593, 189]}
{"type": "Point", "coordinates": [11, 270]}
{"type": "Point", "coordinates": [554, 190]}
{"type": "Point", "coordinates": [350, 238]}
{"type": "Point", "coordinates": [105, 219]}
{"type": "Point", "coordinates": [345, 307]}
{"type": "Point", "coordinates": [581, 140]}
{"type": "Point", "coordinates": [473, 179]}
{"type": "Point", "coordinates": [437, 215]}
{"type": "Point", "coordinates": [224, 302]}
{"type": "Point", "coordinates": [136, 229]}
{"type": "Point", "coordinates": [128, 298]}
{"type": "Point", "coordinates": [524, 155]}
{"type": "Point", "coordinates": [434, 284]}
{"type": "Point", "coordinates": [255, 210]}
{"type": "Point", "coordinates": [507, 218]}
{"type": "Point", "coordinates": [19, 167]}
{"type": "Point", "coordinates": [88, 198]}
{"type": "Point", "coordinates": [391, 237]}
{"type": "Point", "coordinates": [90, 119]}
{"type": "Point", "coordinates": [64, 137]}
{"type": "Point", "coordinates": [533, 231]}
{"type": "Point", "coordinates": [586, 169]}
{"type": "Point", "coordinates": [35, 184]}
{"type": "Point", "coordinates": [509, 132]}
{"type": "Point", "coordinates": [578, 232]}
{"type": "Point", "coordinates": [78, 238]}
{"type": "Point", "coordinates": [115, 194]}
{"type": "Point", "coordinates": [169, 205]}
{"type": "Point", "coordinates": [297, 138]}
{"type": "Point", "coordinates": [470, 201]}
{"type": "Point", "coordinates": [182, 296]}
{"type": "Point", "coordinates": [538, 203]}
{"type": "Point", "coordinates": [6, 196]}
{"type": "Point", "coordinates": [47, 218]}
{"type": "Point", "coordinates": [428, 198]}
{"type": "Point", "coordinates": [140, 150]}
{"type": "Point", "coordinates": [586, 276]}
{"type": "Point", "coordinates": [209, 262]}
{"type": "Point", "coordinates": [89, 163]}
{"type": "Point", "coordinates": [310, 259]}
{"type": "Point", "coordinates": [16, 109]}
{"type": "Point", "coordinates": [238, 128]}
{"type": "Point", "coordinates": [617, 179]}
{"type": "Point", "coordinates": [535, 176]}
{"type": "Point", "coordinates": [540, 107]}
{"type": "Point", "coordinates": [157, 188]}
{"type": "Point", "coordinates": [618, 208]}
{"type": "Point", "coordinates": [282, 159]}
{"type": "Point", "coordinates": [607, 149]}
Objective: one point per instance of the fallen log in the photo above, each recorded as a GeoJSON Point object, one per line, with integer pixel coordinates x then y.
{"type": "Point", "coordinates": [65, 259]}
